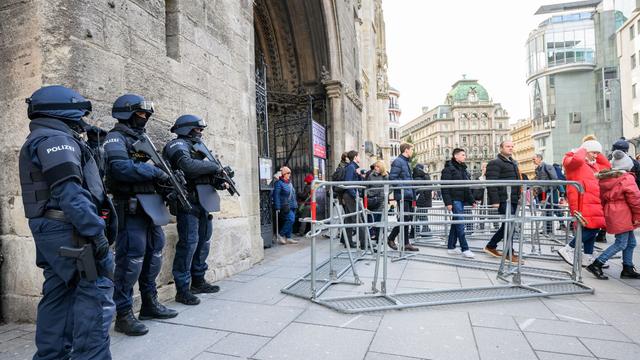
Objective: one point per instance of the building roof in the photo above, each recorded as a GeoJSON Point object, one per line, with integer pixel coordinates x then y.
{"type": "Point", "coordinates": [460, 91]}
{"type": "Point", "coordinates": [575, 5]}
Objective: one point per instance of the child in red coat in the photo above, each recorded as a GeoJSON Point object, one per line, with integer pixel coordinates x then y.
{"type": "Point", "coordinates": [621, 202]}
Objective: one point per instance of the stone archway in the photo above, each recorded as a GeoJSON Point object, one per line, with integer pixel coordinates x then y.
{"type": "Point", "coordinates": [292, 60]}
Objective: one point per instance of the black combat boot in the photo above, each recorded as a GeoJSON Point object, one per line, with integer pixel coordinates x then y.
{"type": "Point", "coordinates": [187, 298]}
{"type": "Point", "coordinates": [152, 309]}
{"type": "Point", "coordinates": [596, 269]}
{"type": "Point", "coordinates": [201, 286]}
{"type": "Point", "coordinates": [127, 323]}
{"type": "Point", "coordinates": [629, 272]}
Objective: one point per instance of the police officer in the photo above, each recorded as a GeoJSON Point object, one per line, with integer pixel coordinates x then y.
{"type": "Point", "coordinates": [132, 182]}
{"type": "Point", "coordinates": [95, 140]}
{"type": "Point", "coordinates": [195, 227]}
{"type": "Point", "coordinates": [64, 199]}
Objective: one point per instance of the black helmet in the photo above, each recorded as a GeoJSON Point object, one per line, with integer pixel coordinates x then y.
{"type": "Point", "coordinates": [126, 105]}
{"type": "Point", "coordinates": [58, 102]}
{"type": "Point", "coordinates": [185, 123]}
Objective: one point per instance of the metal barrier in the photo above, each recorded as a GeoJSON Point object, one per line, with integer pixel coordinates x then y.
{"type": "Point", "coordinates": [520, 229]}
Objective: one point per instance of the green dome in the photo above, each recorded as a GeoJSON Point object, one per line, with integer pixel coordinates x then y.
{"type": "Point", "coordinates": [461, 89]}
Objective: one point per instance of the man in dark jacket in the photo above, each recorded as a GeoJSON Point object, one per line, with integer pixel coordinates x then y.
{"type": "Point", "coordinates": [423, 197]}
{"type": "Point", "coordinates": [401, 170]}
{"type": "Point", "coordinates": [503, 167]}
{"type": "Point", "coordinates": [349, 196]}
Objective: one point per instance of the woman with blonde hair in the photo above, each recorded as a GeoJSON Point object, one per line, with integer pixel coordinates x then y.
{"type": "Point", "coordinates": [375, 196]}
{"type": "Point", "coordinates": [284, 201]}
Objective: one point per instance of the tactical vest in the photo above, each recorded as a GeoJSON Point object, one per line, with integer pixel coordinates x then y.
{"type": "Point", "coordinates": [36, 195]}
{"type": "Point", "coordinates": [121, 189]}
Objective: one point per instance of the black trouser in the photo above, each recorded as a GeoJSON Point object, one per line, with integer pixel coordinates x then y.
{"type": "Point", "coordinates": [350, 207]}
{"type": "Point", "coordinates": [396, 230]}
{"type": "Point", "coordinates": [499, 235]}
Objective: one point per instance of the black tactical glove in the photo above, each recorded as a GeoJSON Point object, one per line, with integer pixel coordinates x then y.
{"type": "Point", "coordinates": [100, 246]}
{"type": "Point", "coordinates": [162, 176]}
{"type": "Point", "coordinates": [229, 171]}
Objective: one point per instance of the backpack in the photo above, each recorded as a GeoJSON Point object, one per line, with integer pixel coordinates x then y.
{"type": "Point", "coordinates": [339, 175]}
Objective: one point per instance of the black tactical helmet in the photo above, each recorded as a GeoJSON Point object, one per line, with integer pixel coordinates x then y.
{"type": "Point", "coordinates": [185, 123]}
{"type": "Point", "coordinates": [126, 105]}
{"type": "Point", "coordinates": [58, 102]}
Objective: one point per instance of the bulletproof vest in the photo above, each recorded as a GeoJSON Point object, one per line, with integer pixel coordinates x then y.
{"type": "Point", "coordinates": [120, 188]}
{"type": "Point", "coordinates": [56, 151]}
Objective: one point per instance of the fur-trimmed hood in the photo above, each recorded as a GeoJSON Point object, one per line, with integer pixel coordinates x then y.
{"type": "Point", "coordinates": [609, 173]}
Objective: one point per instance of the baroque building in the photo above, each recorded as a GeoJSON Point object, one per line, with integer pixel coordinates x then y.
{"type": "Point", "coordinates": [394, 111]}
{"type": "Point", "coordinates": [468, 119]}
{"type": "Point", "coordinates": [278, 81]}
{"type": "Point", "coordinates": [628, 46]}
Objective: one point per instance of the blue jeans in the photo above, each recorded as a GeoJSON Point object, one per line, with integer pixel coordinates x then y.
{"type": "Point", "coordinates": [457, 230]}
{"type": "Point", "coordinates": [194, 240]}
{"type": "Point", "coordinates": [625, 242]}
{"type": "Point", "coordinates": [588, 240]}
{"type": "Point", "coordinates": [287, 226]}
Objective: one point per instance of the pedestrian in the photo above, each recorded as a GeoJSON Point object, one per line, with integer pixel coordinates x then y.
{"type": "Point", "coordinates": [480, 194]}
{"type": "Point", "coordinates": [503, 167]}
{"type": "Point", "coordinates": [284, 200]}
{"type": "Point", "coordinates": [95, 140]}
{"type": "Point", "coordinates": [375, 197]}
{"type": "Point", "coordinates": [424, 198]}
{"type": "Point", "coordinates": [141, 211]}
{"type": "Point", "coordinates": [350, 195]}
{"type": "Point", "coordinates": [455, 199]}
{"type": "Point", "coordinates": [621, 204]}
{"type": "Point", "coordinates": [581, 165]}
{"type": "Point", "coordinates": [195, 226]}
{"type": "Point", "coordinates": [401, 170]}
{"type": "Point", "coordinates": [64, 200]}
{"type": "Point", "coordinates": [549, 195]}
{"type": "Point", "coordinates": [304, 207]}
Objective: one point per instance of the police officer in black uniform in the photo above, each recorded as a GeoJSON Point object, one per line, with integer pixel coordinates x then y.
{"type": "Point", "coordinates": [65, 202]}
{"type": "Point", "coordinates": [141, 210]}
{"type": "Point", "coordinates": [95, 140]}
{"type": "Point", "coordinates": [195, 227]}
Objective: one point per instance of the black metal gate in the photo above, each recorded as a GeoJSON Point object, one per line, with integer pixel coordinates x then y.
{"type": "Point", "coordinates": [265, 163]}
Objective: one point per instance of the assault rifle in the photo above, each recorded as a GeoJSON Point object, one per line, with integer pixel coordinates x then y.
{"type": "Point", "coordinates": [178, 182]}
{"type": "Point", "coordinates": [201, 148]}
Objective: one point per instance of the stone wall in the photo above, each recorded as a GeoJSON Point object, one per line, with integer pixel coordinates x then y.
{"type": "Point", "coordinates": [104, 48]}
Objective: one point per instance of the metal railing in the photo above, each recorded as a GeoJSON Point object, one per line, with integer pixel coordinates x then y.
{"type": "Point", "coordinates": [518, 227]}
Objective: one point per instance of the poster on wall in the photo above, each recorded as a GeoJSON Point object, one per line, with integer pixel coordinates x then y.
{"type": "Point", "coordinates": [319, 136]}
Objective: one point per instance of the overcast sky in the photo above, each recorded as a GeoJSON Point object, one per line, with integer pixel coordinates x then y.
{"type": "Point", "coordinates": [430, 44]}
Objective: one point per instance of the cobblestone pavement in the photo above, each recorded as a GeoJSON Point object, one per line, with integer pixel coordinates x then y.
{"type": "Point", "coordinates": [251, 319]}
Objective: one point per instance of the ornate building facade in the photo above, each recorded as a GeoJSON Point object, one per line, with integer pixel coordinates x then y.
{"type": "Point", "coordinates": [469, 119]}
{"type": "Point", "coordinates": [279, 82]}
{"type": "Point", "coordinates": [393, 121]}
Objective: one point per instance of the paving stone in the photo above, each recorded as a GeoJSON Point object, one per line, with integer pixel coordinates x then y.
{"type": "Point", "coordinates": [17, 349]}
{"type": "Point", "coordinates": [381, 356]}
{"type": "Point", "coordinates": [166, 341]}
{"type": "Point", "coordinates": [260, 269]}
{"type": "Point", "coordinates": [239, 345]}
{"type": "Point", "coordinates": [625, 317]}
{"type": "Point", "coordinates": [571, 329]}
{"type": "Point", "coordinates": [493, 321]}
{"type": "Point", "coordinates": [324, 316]}
{"type": "Point", "coordinates": [555, 356]}
{"type": "Point", "coordinates": [426, 334]}
{"type": "Point", "coordinates": [212, 356]}
{"type": "Point", "coordinates": [557, 343]}
{"type": "Point", "coordinates": [311, 342]}
{"type": "Point", "coordinates": [426, 285]}
{"type": "Point", "coordinates": [474, 274]}
{"type": "Point", "coordinates": [470, 282]}
{"type": "Point", "coordinates": [262, 290]}
{"type": "Point", "coordinates": [432, 275]}
{"type": "Point", "coordinates": [254, 319]}
{"type": "Point", "coordinates": [11, 334]}
{"type": "Point", "coordinates": [242, 278]}
{"type": "Point", "coordinates": [496, 344]}
{"type": "Point", "coordinates": [533, 308]}
{"type": "Point", "coordinates": [573, 310]}
{"type": "Point", "coordinates": [613, 349]}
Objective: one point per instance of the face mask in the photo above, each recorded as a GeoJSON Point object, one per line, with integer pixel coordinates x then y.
{"type": "Point", "coordinates": [196, 135]}
{"type": "Point", "coordinates": [138, 122]}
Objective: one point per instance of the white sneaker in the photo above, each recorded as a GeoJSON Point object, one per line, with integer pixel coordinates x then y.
{"type": "Point", "coordinates": [282, 240]}
{"type": "Point", "coordinates": [566, 253]}
{"type": "Point", "coordinates": [291, 241]}
{"type": "Point", "coordinates": [455, 251]}
{"type": "Point", "coordinates": [468, 254]}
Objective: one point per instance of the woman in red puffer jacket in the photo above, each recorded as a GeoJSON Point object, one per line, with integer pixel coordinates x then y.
{"type": "Point", "coordinates": [581, 165]}
{"type": "Point", "coordinates": [621, 202]}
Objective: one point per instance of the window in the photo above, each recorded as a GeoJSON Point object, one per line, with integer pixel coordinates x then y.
{"type": "Point", "coordinates": [633, 61]}
{"type": "Point", "coordinates": [172, 29]}
{"type": "Point", "coordinates": [633, 91]}
{"type": "Point", "coordinates": [632, 32]}
{"type": "Point", "coordinates": [636, 121]}
{"type": "Point", "coordinates": [575, 117]}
